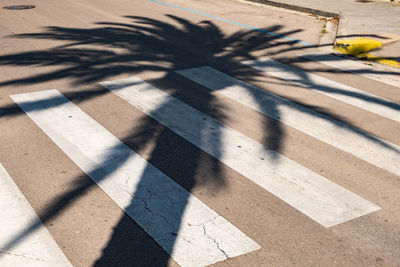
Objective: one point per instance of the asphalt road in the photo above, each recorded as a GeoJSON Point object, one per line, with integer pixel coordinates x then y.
{"type": "Point", "coordinates": [167, 133]}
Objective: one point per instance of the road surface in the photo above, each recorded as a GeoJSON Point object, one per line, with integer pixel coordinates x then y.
{"type": "Point", "coordinates": [191, 133]}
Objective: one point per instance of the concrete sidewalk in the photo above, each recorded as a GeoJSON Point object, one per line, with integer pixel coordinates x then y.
{"type": "Point", "coordinates": [375, 19]}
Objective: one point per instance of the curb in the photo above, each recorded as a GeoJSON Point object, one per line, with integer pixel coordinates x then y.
{"type": "Point", "coordinates": [363, 55]}
{"type": "Point", "coordinates": [311, 11]}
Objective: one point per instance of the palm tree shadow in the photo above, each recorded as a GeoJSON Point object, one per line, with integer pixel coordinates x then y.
{"type": "Point", "coordinates": [148, 45]}
{"type": "Point", "coordinates": [144, 41]}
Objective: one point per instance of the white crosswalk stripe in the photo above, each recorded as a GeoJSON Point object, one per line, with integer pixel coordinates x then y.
{"type": "Point", "coordinates": [362, 145]}
{"type": "Point", "coordinates": [354, 67]}
{"type": "Point", "coordinates": [322, 200]}
{"type": "Point", "coordinates": [336, 90]}
{"type": "Point", "coordinates": [38, 248]}
{"type": "Point", "coordinates": [187, 229]}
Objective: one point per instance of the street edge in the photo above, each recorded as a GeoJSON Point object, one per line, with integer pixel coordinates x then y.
{"type": "Point", "coordinates": [311, 11]}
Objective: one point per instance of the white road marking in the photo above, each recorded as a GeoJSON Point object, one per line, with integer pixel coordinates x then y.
{"type": "Point", "coordinates": [322, 200]}
{"type": "Point", "coordinates": [336, 90]}
{"type": "Point", "coordinates": [355, 67]}
{"type": "Point", "coordinates": [16, 215]}
{"type": "Point", "coordinates": [362, 145]}
{"type": "Point", "coordinates": [187, 229]}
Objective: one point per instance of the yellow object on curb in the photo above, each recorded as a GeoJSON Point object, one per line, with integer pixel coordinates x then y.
{"type": "Point", "coordinates": [356, 46]}
{"type": "Point", "coordinates": [359, 48]}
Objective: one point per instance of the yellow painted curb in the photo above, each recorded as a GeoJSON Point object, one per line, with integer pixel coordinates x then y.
{"type": "Point", "coordinates": [380, 60]}
{"type": "Point", "coordinates": [356, 46]}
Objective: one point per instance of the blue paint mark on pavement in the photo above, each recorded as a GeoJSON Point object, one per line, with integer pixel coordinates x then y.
{"type": "Point", "coordinates": [233, 22]}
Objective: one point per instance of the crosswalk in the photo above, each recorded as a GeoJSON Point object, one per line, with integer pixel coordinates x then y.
{"type": "Point", "coordinates": [183, 226]}
{"type": "Point", "coordinates": [39, 248]}
{"type": "Point", "coordinates": [353, 67]}
{"type": "Point", "coordinates": [189, 230]}
{"type": "Point", "coordinates": [310, 193]}
{"type": "Point", "coordinates": [344, 93]}
{"type": "Point", "coordinates": [363, 145]}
